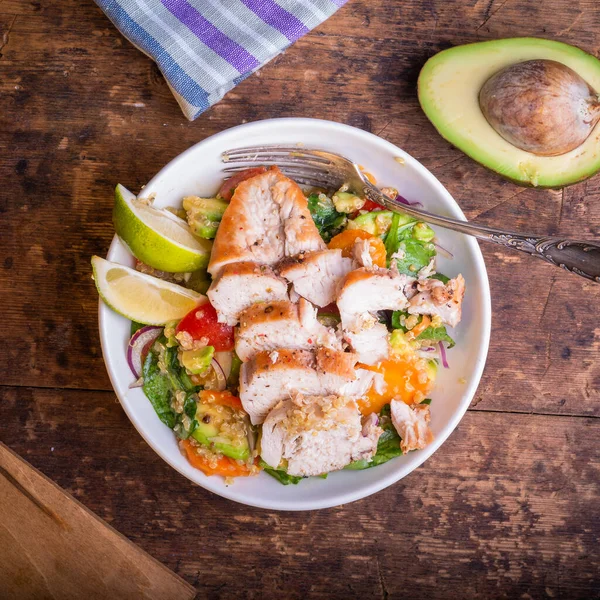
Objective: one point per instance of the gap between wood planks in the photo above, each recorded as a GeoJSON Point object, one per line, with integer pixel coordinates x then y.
{"type": "Point", "coordinates": [471, 408]}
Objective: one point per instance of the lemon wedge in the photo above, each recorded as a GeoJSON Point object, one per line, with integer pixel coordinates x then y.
{"type": "Point", "coordinates": [141, 297]}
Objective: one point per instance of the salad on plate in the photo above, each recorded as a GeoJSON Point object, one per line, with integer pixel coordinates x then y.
{"type": "Point", "coordinates": [280, 329]}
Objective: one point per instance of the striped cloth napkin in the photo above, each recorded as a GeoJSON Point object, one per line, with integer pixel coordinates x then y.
{"type": "Point", "coordinates": [204, 48]}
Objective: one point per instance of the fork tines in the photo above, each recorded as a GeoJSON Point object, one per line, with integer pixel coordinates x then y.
{"type": "Point", "coordinates": [305, 166]}
{"type": "Point", "coordinates": [261, 153]}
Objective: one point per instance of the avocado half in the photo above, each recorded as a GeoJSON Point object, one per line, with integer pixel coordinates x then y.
{"type": "Point", "coordinates": [449, 86]}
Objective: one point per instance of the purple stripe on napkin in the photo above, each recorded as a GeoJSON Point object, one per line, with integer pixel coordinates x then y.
{"type": "Point", "coordinates": [207, 33]}
{"type": "Point", "coordinates": [279, 18]}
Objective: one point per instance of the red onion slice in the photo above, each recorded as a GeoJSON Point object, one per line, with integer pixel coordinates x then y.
{"type": "Point", "coordinates": [139, 346]}
{"type": "Point", "coordinates": [443, 251]}
{"type": "Point", "coordinates": [219, 375]}
{"type": "Point", "coordinates": [400, 198]}
{"type": "Point", "coordinates": [225, 360]}
{"type": "Point", "coordinates": [443, 356]}
{"type": "Point", "coordinates": [137, 383]}
{"type": "Point", "coordinates": [371, 421]}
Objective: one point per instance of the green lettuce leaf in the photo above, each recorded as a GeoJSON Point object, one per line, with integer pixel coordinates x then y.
{"type": "Point", "coordinates": [433, 334]}
{"type": "Point", "coordinates": [441, 277]}
{"type": "Point", "coordinates": [403, 239]}
{"type": "Point", "coordinates": [157, 387]}
{"type": "Point", "coordinates": [388, 446]}
{"type": "Point", "coordinates": [135, 326]}
{"type": "Point", "coordinates": [327, 219]}
{"type": "Point", "coordinates": [280, 474]}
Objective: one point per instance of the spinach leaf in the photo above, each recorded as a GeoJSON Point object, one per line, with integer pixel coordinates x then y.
{"type": "Point", "coordinates": [189, 409]}
{"type": "Point", "coordinates": [157, 387]}
{"type": "Point", "coordinates": [403, 240]}
{"type": "Point", "coordinates": [135, 326]}
{"type": "Point", "coordinates": [233, 381]}
{"type": "Point", "coordinates": [388, 447]}
{"type": "Point", "coordinates": [426, 401]}
{"type": "Point", "coordinates": [396, 320]}
{"type": "Point", "coordinates": [180, 380]}
{"type": "Point", "coordinates": [327, 219]}
{"type": "Point", "coordinates": [415, 255]}
{"type": "Point", "coordinates": [181, 432]}
{"type": "Point", "coordinates": [433, 334]}
{"type": "Point", "coordinates": [189, 406]}
{"type": "Point", "coordinates": [280, 474]}
{"type": "Point", "coordinates": [437, 334]}
{"type": "Point", "coordinates": [441, 277]}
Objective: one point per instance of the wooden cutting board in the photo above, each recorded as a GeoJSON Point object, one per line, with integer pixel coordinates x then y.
{"type": "Point", "coordinates": [52, 547]}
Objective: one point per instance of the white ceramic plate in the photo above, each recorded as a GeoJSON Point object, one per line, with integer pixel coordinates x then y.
{"type": "Point", "coordinates": [198, 171]}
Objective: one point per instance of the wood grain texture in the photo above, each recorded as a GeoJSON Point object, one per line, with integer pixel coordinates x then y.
{"type": "Point", "coordinates": [53, 547]}
{"type": "Point", "coordinates": [507, 508]}
{"type": "Point", "coordinates": [82, 109]}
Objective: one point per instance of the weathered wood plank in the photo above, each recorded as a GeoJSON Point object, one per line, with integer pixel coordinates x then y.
{"type": "Point", "coordinates": [53, 547]}
{"type": "Point", "coordinates": [71, 143]}
{"type": "Point", "coordinates": [507, 507]}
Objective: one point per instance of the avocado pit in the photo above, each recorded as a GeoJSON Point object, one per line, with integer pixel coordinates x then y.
{"type": "Point", "coordinates": [540, 106]}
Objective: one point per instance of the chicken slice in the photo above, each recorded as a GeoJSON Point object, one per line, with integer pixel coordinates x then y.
{"type": "Point", "coordinates": [316, 275]}
{"type": "Point", "coordinates": [361, 253]}
{"type": "Point", "coordinates": [272, 325]}
{"type": "Point", "coordinates": [316, 435]}
{"type": "Point", "coordinates": [412, 425]}
{"type": "Point", "coordinates": [240, 285]}
{"type": "Point", "coordinates": [436, 298]}
{"type": "Point", "coordinates": [273, 376]}
{"type": "Point", "coordinates": [266, 220]}
{"type": "Point", "coordinates": [362, 294]}
{"type": "Point", "coordinates": [370, 290]}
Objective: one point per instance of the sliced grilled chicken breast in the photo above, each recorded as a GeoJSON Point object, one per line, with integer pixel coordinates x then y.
{"type": "Point", "coordinates": [276, 375]}
{"type": "Point", "coordinates": [282, 324]}
{"type": "Point", "coordinates": [316, 435]}
{"type": "Point", "coordinates": [436, 298]}
{"type": "Point", "coordinates": [266, 220]}
{"type": "Point", "coordinates": [316, 275]}
{"type": "Point", "coordinates": [240, 285]}
{"type": "Point", "coordinates": [361, 253]}
{"type": "Point", "coordinates": [412, 424]}
{"type": "Point", "coordinates": [363, 293]}
{"type": "Point", "coordinates": [273, 376]}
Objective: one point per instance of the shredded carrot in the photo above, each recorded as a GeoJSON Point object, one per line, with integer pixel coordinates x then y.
{"type": "Point", "coordinates": [405, 380]}
{"type": "Point", "coordinates": [346, 239]}
{"type": "Point", "coordinates": [224, 398]}
{"type": "Point", "coordinates": [419, 328]}
{"type": "Point", "coordinates": [224, 466]}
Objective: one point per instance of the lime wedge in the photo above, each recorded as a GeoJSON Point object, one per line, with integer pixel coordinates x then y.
{"type": "Point", "coordinates": [157, 237]}
{"type": "Point", "coordinates": [141, 297]}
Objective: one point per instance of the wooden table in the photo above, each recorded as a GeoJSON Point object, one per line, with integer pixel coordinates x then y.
{"type": "Point", "coordinates": [509, 505]}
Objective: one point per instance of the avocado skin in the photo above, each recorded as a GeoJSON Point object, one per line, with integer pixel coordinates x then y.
{"type": "Point", "coordinates": [588, 64]}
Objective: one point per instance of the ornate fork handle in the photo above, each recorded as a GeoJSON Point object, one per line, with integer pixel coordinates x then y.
{"type": "Point", "coordinates": [576, 256]}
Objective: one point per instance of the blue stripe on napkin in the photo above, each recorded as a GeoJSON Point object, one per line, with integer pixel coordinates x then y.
{"type": "Point", "coordinates": [204, 48]}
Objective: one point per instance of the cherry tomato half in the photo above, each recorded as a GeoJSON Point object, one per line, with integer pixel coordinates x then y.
{"type": "Point", "coordinates": [228, 187]}
{"type": "Point", "coordinates": [201, 322]}
{"type": "Point", "coordinates": [369, 205]}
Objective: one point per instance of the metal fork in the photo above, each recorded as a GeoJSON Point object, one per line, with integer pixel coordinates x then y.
{"type": "Point", "coordinates": [328, 170]}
